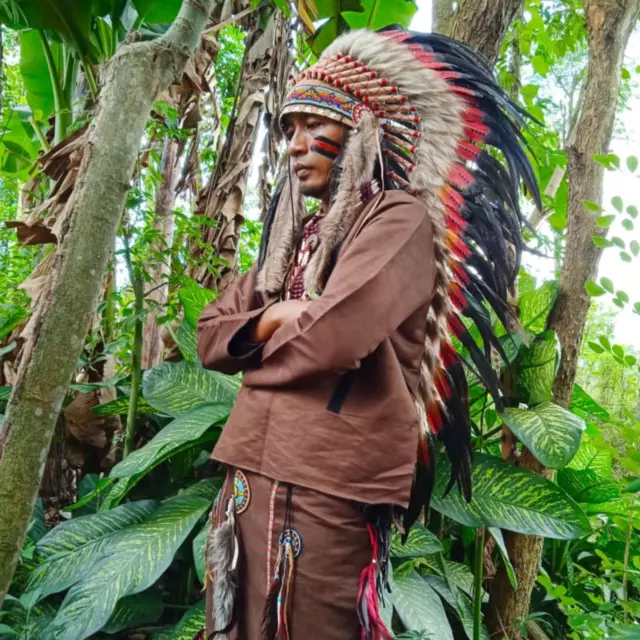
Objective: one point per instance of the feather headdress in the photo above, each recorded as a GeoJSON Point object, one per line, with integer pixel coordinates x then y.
{"type": "Point", "coordinates": [430, 108]}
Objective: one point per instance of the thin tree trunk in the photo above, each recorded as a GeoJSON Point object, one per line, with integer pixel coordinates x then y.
{"type": "Point", "coordinates": [442, 10]}
{"type": "Point", "coordinates": [133, 80]}
{"type": "Point", "coordinates": [609, 25]}
{"type": "Point", "coordinates": [482, 24]}
{"type": "Point", "coordinates": [163, 222]}
{"type": "Point", "coordinates": [265, 64]}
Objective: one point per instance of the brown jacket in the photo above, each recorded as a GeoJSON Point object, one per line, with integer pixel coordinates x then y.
{"type": "Point", "coordinates": [327, 402]}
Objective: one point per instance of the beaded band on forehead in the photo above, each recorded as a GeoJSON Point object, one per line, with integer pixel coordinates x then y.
{"type": "Point", "coordinates": [319, 100]}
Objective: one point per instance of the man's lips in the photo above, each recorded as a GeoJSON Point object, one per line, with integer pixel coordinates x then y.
{"type": "Point", "coordinates": [302, 171]}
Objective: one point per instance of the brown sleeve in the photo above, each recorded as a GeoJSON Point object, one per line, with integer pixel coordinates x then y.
{"type": "Point", "coordinates": [224, 328]}
{"type": "Point", "coordinates": [384, 275]}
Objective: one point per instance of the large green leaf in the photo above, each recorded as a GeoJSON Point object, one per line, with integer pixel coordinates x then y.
{"type": "Point", "coordinates": [136, 558]}
{"type": "Point", "coordinates": [510, 498]}
{"type": "Point", "coordinates": [133, 611]}
{"type": "Point", "coordinates": [194, 299]}
{"type": "Point", "coordinates": [456, 574]}
{"type": "Point", "coordinates": [191, 623]}
{"type": "Point", "coordinates": [199, 545]}
{"type": "Point", "coordinates": [184, 429]}
{"type": "Point", "coordinates": [120, 407]}
{"type": "Point", "coordinates": [156, 12]}
{"type": "Point", "coordinates": [17, 154]}
{"type": "Point", "coordinates": [175, 389]}
{"type": "Point", "coordinates": [536, 305]}
{"type": "Point", "coordinates": [419, 607]}
{"type": "Point", "coordinates": [582, 401]}
{"type": "Point", "coordinates": [5, 393]}
{"type": "Point", "coordinates": [69, 19]}
{"type": "Point", "coordinates": [421, 542]}
{"type": "Point", "coordinates": [496, 534]}
{"type": "Point", "coordinates": [35, 73]}
{"type": "Point", "coordinates": [458, 602]}
{"type": "Point", "coordinates": [10, 315]}
{"type": "Point", "coordinates": [70, 551]}
{"type": "Point", "coordinates": [378, 14]}
{"type": "Point", "coordinates": [550, 432]}
{"type": "Point", "coordinates": [537, 369]}
{"type": "Point", "coordinates": [591, 457]}
{"type": "Point", "coordinates": [585, 485]}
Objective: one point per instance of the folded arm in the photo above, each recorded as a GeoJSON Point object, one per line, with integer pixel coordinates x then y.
{"type": "Point", "coordinates": [383, 275]}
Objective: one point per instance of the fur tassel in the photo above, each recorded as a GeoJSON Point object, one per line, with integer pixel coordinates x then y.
{"type": "Point", "coordinates": [222, 554]}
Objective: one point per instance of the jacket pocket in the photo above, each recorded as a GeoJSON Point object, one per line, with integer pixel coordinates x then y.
{"type": "Point", "coordinates": [341, 391]}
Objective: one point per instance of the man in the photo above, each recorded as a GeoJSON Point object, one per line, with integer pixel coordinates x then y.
{"type": "Point", "coordinates": [342, 330]}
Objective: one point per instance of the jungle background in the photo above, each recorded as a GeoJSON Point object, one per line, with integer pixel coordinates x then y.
{"type": "Point", "coordinates": [136, 154]}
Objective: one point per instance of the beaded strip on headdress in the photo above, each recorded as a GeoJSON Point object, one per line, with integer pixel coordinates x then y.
{"type": "Point", "coordinates": [324, 101]}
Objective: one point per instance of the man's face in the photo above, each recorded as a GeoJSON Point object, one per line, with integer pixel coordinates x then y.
{"type": "Point", "coordinates": [314, 144]}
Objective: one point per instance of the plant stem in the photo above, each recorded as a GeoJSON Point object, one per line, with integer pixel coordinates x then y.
{"type": "Point", "coordinates": [39, 134]}
{"type": "Point", "coordinates": [477, 584]}
{"type": "Point", "coordinates": [91, 79]}
{"type": "Point", "coordinates": [62, 110]}
{"type": "Point", "coordinates": [136, 358]}
{"type": "Point", "coordinates": [627, 548]}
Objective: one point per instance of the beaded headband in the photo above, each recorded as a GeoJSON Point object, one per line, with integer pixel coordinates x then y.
{"type": "Point", "coordinates": [322, 101]}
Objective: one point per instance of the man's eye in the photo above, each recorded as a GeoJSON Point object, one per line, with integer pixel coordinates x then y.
{"type": "Point", "coordinates": [313, 125]}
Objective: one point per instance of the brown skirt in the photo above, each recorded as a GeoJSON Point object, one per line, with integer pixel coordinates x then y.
{"type": "Point", "coordinates": [334, 548]}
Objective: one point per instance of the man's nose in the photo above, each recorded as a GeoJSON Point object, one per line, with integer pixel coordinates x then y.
{"type": "Point", "coordinates": [298, 143]}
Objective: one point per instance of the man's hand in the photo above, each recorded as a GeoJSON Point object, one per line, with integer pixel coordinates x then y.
{"type": "Point", "coordinates": [277, 315]}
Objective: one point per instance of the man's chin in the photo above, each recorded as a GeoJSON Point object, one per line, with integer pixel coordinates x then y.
{"type": "Point", "coordinates": [312, 190]}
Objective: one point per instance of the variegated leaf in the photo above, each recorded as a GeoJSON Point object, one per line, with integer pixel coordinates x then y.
{"type": "Point", "coordinates": [581, 401]}
{"type": "Point", "coordinates": [191, 623]}
{"type": "Point", "coordinates": [586, 485]}
{"type": "Point", "coordinates": [551, 433]}
{"type": "Point", "coordinates": [537, 368]}
{"type": "Point", "coordinates": [184, 429]}
{"type": "Point", "coordinates": [502, 547]}
{"type": "Point", "coordinates": [535, 306]}
{"type": "Point", "coordinates": [457, 574]}
{"type": "Point", "coordinates": [419, 607]}
{"type": "Point", "coordinates": [421, 542]}
{"type": "Point", "coordinates": [176, 388]}
{"type": "Point", "coordinates": [591, 457]}
{"type": "Point", "coordinates": [199, 544]}
{"type": "Point", "coordinates": [510, 498]}
{"type": "Point", "coordinates": [120, 407]}
{"type": "Point", "coordinates": [70, 551]}
{"type": "Point", "coordinates": [135, 559]}
{"type": "Point", "coordinates": [458, 602]}
{"type": "Point", "coordinates": [133, 611]}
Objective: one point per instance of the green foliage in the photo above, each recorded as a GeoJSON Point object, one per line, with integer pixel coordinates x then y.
{"type": "Point", "coordinates": [550, 432]}
{"type": "Point", "coordinates": [133, 560]}
{"type": "Point", "coordinates": [510, 498]}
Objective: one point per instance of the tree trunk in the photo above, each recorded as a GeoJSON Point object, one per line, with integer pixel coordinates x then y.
{"type": "Point", "coordinates": [133, 80]}
{"type": "Point", "coordinates": [442, 10]}
{"type": "Point", "coordinates": [609, 25]}
{"type": "Point", "coordinates": [266, 64]}
{"type": "Point", "coordinates": [159, 271]}
{"type": "Point", "coordinates": [482, 24]}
